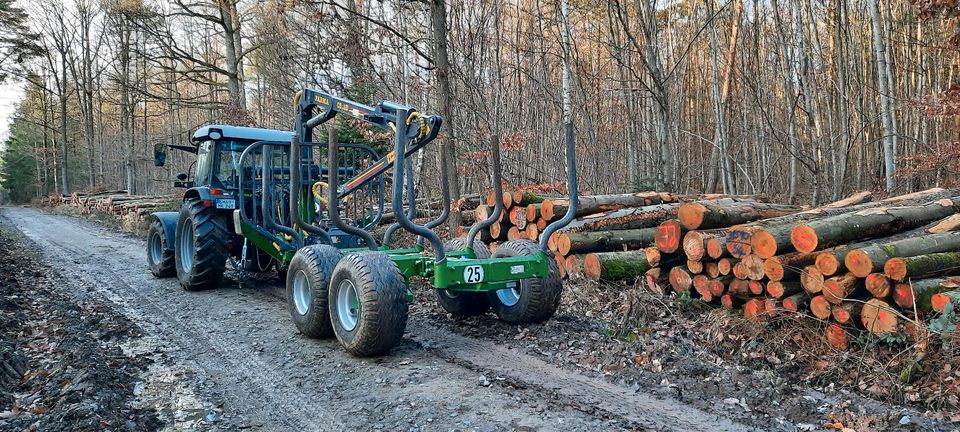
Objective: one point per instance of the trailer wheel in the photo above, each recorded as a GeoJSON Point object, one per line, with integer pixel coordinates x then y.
{"type": "Point", "coordinates": [200, 246]}
{"type": "Point", "coordinates": [526, 300]}
{"type": "Point", "coordinates": [368, 305]}
{"type": "Point", "coordinates": [308, 280]}
{"type": "Point", "coordinates": [159, 257]}
{"type": "Point", "coordinates": [461, 303]}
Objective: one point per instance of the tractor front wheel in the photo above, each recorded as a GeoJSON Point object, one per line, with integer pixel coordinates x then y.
{"type": "Point", "coordinates": [200, 248]}
{"type": "Point", "coordinates": [308, 280]}
{"type": "Point", "coordinates": [159, 256]}
{"type": "Point", "coordinates": [526, 300]}
{"type": "Point", "coordinates": [368, 304]}
{"type": "Point", "coordinates": [461, 303]}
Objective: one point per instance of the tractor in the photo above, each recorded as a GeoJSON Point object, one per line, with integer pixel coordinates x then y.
{"type": "Point", "coordinates": [308, 208]}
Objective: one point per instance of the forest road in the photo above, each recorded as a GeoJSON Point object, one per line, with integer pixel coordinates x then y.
{"type": "Point", "coordinates": [236, 353]}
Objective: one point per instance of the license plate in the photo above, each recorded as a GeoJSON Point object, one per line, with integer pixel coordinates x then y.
{"type": "Point", "coordinates": [226, 203]}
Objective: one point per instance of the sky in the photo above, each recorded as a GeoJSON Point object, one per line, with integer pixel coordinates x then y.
{"type": "Point", "coordinates": [10, 94]}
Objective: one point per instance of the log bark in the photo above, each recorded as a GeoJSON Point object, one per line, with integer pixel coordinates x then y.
{"type": "Point", "coordinates": [630, 218]}
{"type": "Point", "coordinates": [870, 259]}
{"type": "Point", "coordinates": [923, 266]}
{"type": "Point", "coordinates": [525, 198]}
{"type": "Point", "coordinates": [879, 317]}
{"type": "Point", "coordinates": [837, 230]}
{"type": "Point", "coordinates": [604, 241]}
{"type": "Point", "coordinates": [695, 215]}
{"type": "Point", "coordinates": [553, 209]}
{"type": "Point", "coordinates": [616, 266]}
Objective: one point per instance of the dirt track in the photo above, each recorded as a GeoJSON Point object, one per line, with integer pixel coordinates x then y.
{"type": "Point", "coordinates": [230, 358]}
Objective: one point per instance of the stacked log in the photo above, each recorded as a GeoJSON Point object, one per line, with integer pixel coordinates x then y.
{"type": "Point", "coordinates": [116, 203]}
{"type": "Point", "coordinates": [856, 264]}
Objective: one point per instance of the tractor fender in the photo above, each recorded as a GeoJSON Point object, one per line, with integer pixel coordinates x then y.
{"type": "Point", "coordinates": [169, 222]}
{"type": "Point", "coordinates": [198, 193]}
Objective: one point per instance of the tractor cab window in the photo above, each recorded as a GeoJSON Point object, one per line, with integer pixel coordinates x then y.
{"type": "Point", "coordinates": [204, 162]}
{"type": "Point", "coordinates": [228, 164]}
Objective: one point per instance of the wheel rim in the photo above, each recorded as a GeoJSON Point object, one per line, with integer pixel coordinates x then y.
{"type": "Point", "coordinates": [449, 294]}
{"type": "Point", "coordinates": [156, 248]}
{"type": "Point", "coordinates": [301, 292]}
{"type": "Point", "coordinates": [510, 296]}
{"type": "Point", "coordinates": [186, 247]}
{"type": "Point", "coordinates": [348, 305]}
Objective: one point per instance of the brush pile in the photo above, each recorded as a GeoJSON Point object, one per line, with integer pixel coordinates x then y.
{"type": "Point", "coordinates": [855, 263]}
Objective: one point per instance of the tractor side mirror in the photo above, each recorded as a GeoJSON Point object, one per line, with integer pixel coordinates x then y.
{"type": "Point", "coordinates": [159, 155]}
{"type": "Point", "coordinates": [181, 177]}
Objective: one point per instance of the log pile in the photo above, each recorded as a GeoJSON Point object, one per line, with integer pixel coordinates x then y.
{"type": "Point", "coordinates": [116, 203]}
{"type": "Point", "coordinates": [857, 264]}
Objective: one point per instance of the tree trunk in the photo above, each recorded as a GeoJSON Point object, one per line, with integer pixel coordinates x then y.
{"type": "Point", "coordinates": [837, 230]}
{"type": "Point", "coordinates": [604, 241]}
{"type": "Point", "coordinates": [922, 266]}
{"type": "Point", "coordinates": [438, 20]}
{"type": "Point", "coordinates": [553, 209]}
{"type": "Point", "coordinates": [870, 259]}
{"type": "Point", "coordinates": [921, 291]}
{"type": "Point", "coordinates": [696, 215]}
{"type": "Point", "coordinates": [883, 87]}
{"type": "Point", "coordinates": [616, 266]}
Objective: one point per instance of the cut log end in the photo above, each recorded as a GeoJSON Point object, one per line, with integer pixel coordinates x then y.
{"type": "Point", "coordinates": [896, 269]}
{"type": "Point", "coordinates": [804, 238]}
{"type": "Point", "coordinates": [878, 285]}
{"type": "Point", "coordinates": [724, 265]}
{"type": "Point", "coordinates": [695, 267]}
{"type": "Point", "coordinates": [680, 279]}
{"type": "Point", "coordinates": [716, 287]}
{"type": "Point", "coordinates": [763, 243]}
{"type": "Point", "coordinates": [756, 287]}
{"type": "Point", "coordinates": [572, 264]}
{"type": "Point", "coordinates": [903, 295]}
{"type": "Point", "coordinates": [827, 263]}
{"type": "Point", "coordinates": [691, 215]}
{"type": "Point", "coordinates": [773, 269]}
{"type": "Point", "coordinates": [754, 266]}
{"type": "Point", "coordinates": [837, 337]}
{"type": "Point", "coordinates": [563, 243]}
{"type": "Point", "coordinates": [546, 210]}
{"type": "Point", "coordinates": [820, 307]}
{"type": "Point", "coordinates": [753, 309]}
{"type": "Point", "coordinates": [811, 280]}
{"type": "Point", "coordinates": [693, 245]}
{"type": "Point", "coordinates": [939, 302]}
{"type": "Point", "coordinates": [795, 302]}
{"type": "Point", "coordinates": [668, 236]}
{"type": "Point", "coordinates": [858, 262]}
{"type": "Point", "coordinates": [715, 248]}
{"type": "Point", "coordinates": [738, 241]}
{"type": "Point", "coordinates": [879, 317]}
{"type": "Point", "coordinates": [592, 268]}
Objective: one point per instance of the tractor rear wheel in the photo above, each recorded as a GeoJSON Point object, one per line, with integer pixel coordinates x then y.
{"type": "Point", "coordinates": [368, 304]}
{"type": "Point", "coordinates": [159, 256]}
{"type": "Point", "coordinates": [461, 303]}
{"type": "Point", "coordinates": [526, 300]}
{"type": "Point", "coordinates": [200, 246]}
{"type": "Point", "coordinates": [308, 280]}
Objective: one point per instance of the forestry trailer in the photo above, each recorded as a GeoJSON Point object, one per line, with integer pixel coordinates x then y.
{"type": "Point", "coordinates": [266, 198]}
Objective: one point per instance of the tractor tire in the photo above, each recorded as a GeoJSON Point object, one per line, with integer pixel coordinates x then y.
{"type": "Point", "coordinates": [529, 300]}
{"type": "Point", "coordinates": [462, 304]}
{"type": "Point", "coordinates": [200, 246]}
{"type": "Point", "coordinates": [368, 303]}
{"type": "Point", "coordinates": [159, 257]}
{"type": "Point", "coordinates": [308, 282]}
